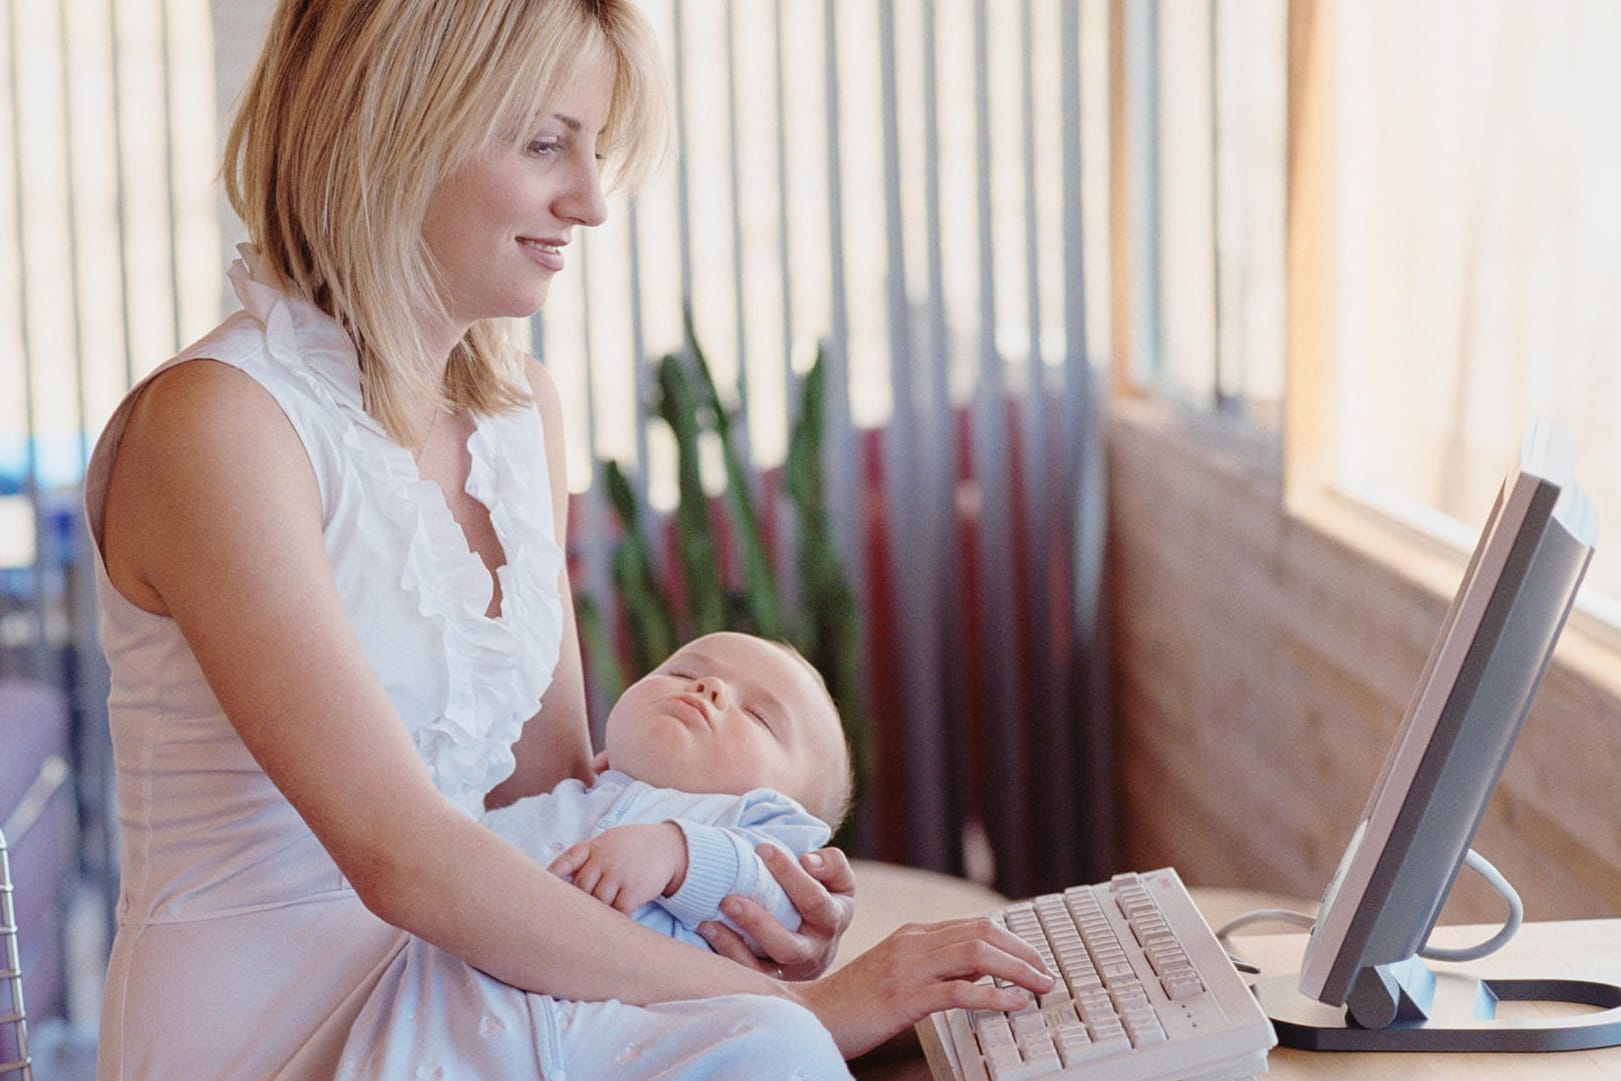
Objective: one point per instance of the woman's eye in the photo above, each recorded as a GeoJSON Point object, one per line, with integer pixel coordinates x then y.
{"type": "Point", "coordinates": [545, 147]}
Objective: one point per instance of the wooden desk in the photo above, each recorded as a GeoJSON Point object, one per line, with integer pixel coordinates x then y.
{"type": "Point", "coordinates": [1584, 949]}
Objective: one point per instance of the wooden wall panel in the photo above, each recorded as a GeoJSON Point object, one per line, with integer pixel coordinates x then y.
{"type": "Point", "coordinates": [1262, 665]}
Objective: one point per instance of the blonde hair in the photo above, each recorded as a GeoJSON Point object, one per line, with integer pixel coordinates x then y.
{"type": "Point", "coordinates": [358, 109]}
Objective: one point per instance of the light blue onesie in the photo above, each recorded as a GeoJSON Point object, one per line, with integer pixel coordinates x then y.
{"type": "Point", "coordinates": [722, 833]}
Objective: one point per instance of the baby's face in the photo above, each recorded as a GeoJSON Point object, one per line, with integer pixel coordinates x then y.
{"type": "Point", "coordinates": [730, 713]}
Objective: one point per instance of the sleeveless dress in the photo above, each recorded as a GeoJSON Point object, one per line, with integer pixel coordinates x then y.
{"type": "Point", "coordinates": [241, 952]}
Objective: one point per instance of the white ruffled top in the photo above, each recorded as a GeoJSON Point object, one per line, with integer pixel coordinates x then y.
{"type": "Point", "coordinates": [417, 595]}
{"type": "Point", "coordinates": [464, 682]}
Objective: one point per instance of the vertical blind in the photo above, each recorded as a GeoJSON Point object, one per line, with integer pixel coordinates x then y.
{"type": "Point", "coordinates": [912, 186]}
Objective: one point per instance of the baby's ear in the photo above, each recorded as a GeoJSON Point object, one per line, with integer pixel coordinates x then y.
{"type": "Point", "coordinates": [599, 764]}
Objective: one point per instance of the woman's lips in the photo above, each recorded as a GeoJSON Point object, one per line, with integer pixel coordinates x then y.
{"type": "Point", "coordinates": [548, 254]}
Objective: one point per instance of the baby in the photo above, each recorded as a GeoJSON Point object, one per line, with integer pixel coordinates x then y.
{"type": "Point", "coordinates": [730, 743]}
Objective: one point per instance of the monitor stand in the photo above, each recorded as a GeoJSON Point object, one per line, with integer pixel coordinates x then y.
{"type": "Point", "coordinates": [1406, 1007]}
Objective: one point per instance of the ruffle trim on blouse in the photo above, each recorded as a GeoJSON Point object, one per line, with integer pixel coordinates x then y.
{"type": "Point", "coordinates": [305, 340]}
{"type": "Point", "coordinates": [492, 671]}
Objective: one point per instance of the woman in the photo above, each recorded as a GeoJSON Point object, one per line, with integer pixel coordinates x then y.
{"type": "Point", "coordinates": [336, 609]}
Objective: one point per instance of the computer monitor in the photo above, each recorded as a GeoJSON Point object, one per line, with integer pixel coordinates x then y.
{"type": "Point", "coordinates": [1432, 792]}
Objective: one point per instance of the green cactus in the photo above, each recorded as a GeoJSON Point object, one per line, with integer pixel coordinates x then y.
{"type": "Point", "coordinates": [760, 594]}
{"type": "Point", "coordinates": [829, 627]}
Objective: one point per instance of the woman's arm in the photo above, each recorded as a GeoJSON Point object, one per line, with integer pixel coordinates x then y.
{"type": "Point", "coordinates": [555, 743]}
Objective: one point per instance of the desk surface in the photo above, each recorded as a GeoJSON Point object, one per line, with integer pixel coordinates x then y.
{"type": "Point", "coordinates": [1586, 949]}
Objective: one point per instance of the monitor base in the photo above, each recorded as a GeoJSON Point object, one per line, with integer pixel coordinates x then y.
{"type": "Point", "coordinates": [1462, 1017]}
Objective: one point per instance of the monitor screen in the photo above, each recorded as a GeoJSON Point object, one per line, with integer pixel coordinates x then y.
{"type": "Point", "coordinates": [1465, 714]}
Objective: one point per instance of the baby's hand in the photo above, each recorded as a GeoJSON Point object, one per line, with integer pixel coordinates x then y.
{"type": "Point", "coordinates": [627, 866]}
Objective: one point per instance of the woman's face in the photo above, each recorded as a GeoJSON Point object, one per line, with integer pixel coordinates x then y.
{"type": "Point", "coordinates": [498, 225]}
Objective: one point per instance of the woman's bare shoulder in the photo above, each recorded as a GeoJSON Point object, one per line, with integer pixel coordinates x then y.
{"type": "Point", "coordinates": [205, 444]}
{"type": "Point", "coordinates": [193, 396]}
{"type": "Point", "coordinates": [205, 430]}
{"type": "Point", "coordinates": [208, 416]}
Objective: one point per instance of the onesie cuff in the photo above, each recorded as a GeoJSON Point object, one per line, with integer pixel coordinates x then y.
{"type": "Point", "coordinates": [712, 875]}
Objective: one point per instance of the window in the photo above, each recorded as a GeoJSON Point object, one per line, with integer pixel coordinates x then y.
{"type": "Point", "coordinates": [1204, 184]}
{"type": "Point", "coordinates": [1453, 233]}
{"type": "Point", "coordinates": [1477, 250]}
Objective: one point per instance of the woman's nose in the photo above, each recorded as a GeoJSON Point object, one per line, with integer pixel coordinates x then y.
{"type": "Point", "coordinates": [584, 201]}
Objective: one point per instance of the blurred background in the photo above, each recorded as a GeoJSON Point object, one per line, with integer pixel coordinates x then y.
{"type": "Point", "coordinates": [1103, 393]}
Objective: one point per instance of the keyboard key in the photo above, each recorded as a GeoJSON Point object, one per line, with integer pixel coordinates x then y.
{"type": "Point", "coordinates": [1025, 1025]}
{"type": "Point", "coordinates": [1058, 996]}
{"type": "Point", "coordinates": [1095, 1007]}
{"type": "Point", "coordinates": [1039, 1049]}
{"type": "Point", "coordinates": [1182, 985]}
{"type": "Point", "coordinates": [1119, 973]}
{"type": "Point", "coordinates": [1115, 1043]}
{"type": "Point", "coordinates": [1062, 1015]}
{"type": "Point", "coordinates": [1008, 1065]}
{"type": "Point", "coordinates": [1016, 1069]}
{"type": "Point", "coordinates": [1142, 1025]}
{"type": "Point", "coordinates": [1073, 1043]}
{"type": "Point", "coordinates": [994, 1032]}
{"type": "Point", "coordinates": [1145, 1031]}
{"type": "Point", "coordinates": [1104, 1027]}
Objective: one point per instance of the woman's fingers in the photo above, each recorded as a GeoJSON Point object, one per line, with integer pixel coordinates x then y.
{"type": "Point", "coordinates": [825, 900]}
{"type": "Point", "coordinates": [790, 949]}
{"type": "Point", "coordinates": [1023, 952]}
{"type": "Point", "coordinates": [822, 888]}
{"type": "Point", "coordinates": [980, 947]}
{"type": "Point", "coordinates": [728, 943]}
{"type": "Point", "coordinates": [829, 867]}
{"type": "Point", "coordinates": [923, 968]}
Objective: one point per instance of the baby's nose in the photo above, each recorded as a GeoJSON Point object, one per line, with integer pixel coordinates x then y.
{"type": "Point", "coordinates": [716, 690]}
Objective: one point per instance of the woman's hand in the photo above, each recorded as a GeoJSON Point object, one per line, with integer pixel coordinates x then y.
{"type": "Point", "coordinates": [920, 969]}
{"type": "Point", "coordinates": [822, 886]}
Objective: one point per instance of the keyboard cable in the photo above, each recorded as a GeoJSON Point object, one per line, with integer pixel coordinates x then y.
{"type": "Point", "coordinates": [1472, 859]}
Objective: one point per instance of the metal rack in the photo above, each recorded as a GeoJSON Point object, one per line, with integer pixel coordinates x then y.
{"type": "Point", "coordinates": [15, 1016]}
